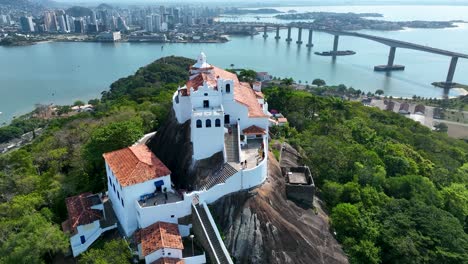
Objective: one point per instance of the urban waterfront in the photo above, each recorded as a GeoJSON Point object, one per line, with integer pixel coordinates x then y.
{"type": "Point", "coordinates": [64, 72]}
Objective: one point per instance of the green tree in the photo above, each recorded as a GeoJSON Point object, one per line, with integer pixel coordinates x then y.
{"type": "Point", "coordinates": [78, 103]}
{"type": "Point", "coordinates": [113, 252]}
{"type": "Point", "coordinates": [345, 219]}
{"type": "Point", "coordinates": [247, 76]}
{"type": "Point", "coordinates": [318, 82]}
{"type": "Point", "coordinates": [379, 92]}
{"type": "Point", "coordinates": [455, 199]}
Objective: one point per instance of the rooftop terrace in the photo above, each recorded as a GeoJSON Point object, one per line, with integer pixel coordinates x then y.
{"type": "Point", "coordinates": [160, 198]}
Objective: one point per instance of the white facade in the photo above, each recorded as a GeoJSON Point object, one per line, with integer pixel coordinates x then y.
{"type": "Point", "coordinates": [212, 106]}
{"type": "Point", "coordinates": [125, 199]}
{"type": "Point", "coordinates": [161, 253]}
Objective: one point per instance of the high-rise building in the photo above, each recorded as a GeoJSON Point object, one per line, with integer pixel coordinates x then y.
{"type": "Point", "coordinates": [149, 24]}
{"type": "Point", "coordinates": [63, 23]}
{"type": "Point", "coordinates": [79, 26]}
{"type": "Point", "coordinates": [176, 13]}
{"type": "Point", "coordinates": [27, 24]}
{"type": "Point", "coordinates": [94, 22]}
{"type": "Point", "coordinates": [121, 25]}
{"type": "Point", "coordinates": [156, 23]}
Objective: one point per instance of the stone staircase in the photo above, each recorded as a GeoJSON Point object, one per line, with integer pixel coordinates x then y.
{"type": "Point", "coordinates": [220, 176]}
{"type": "Point", "coordinates": [231, 143]}
{"type": "Point", "coordinates": [211, 232]}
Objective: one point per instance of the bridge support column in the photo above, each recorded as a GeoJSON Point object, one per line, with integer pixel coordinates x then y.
{"type": "Point", "coordinates": [309, 44]}
{"type": "Point", "coordinates": [335, 43]}
{"type": "Point", "coordinates": [390, 66]}
{"type": "Point", "coordinates": [451, 72]}
{"type": "Point", "coordinates": [299, 37]}
{"type": "Point", "coordinates": [277, 32]}
{"type": "Point", "coordinates": [265, 35]}
{"type": "Point", "coordinates": [289, 39]}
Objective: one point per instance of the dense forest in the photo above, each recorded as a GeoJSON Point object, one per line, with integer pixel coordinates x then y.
{"type": "Point", "coordinates": [396, 191]}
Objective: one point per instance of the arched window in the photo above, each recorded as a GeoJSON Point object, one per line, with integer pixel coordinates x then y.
{"type": "Point", "coordinates": [228, 88]}
{"type": "Point", "coordinates": [199, 123]}
{"type": "Point", "coordinates": [217, 122]}
{"type": "Point", "coordinates": [208, 123]}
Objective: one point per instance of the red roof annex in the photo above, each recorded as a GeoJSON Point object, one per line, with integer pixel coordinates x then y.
{"type": "Point", "coordinates": [157, 236]}
{"type": "Point", "coordinates": [80, 211]}
{"type": "Point", "coordinates": [135, 165]}
{"type": "Point", "coordinates": [254, 130]}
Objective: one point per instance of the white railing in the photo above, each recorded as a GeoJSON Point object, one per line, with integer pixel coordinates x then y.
{"type": "Point", "coordinates": [218, 236]}
{"type": "Point", "coordinates": [206, 233]}
{"type": "Point", "coordinates": [238, 142]}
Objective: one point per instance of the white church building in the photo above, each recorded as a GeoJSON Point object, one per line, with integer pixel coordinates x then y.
{"type": "Point", "coordinates": [213, 99]}
{"type": "Point", "coordinates": [226, 116]}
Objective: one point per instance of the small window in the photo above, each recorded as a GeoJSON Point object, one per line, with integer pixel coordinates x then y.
{"type": "Point", "coordinates": [199, 123]}
{"type": "Point", "coordinates": [205, 94]}
{"type": "Point", "coordinates": [83, 239]}
{"type": "Point", "coordinates": [228, 88]}
{"type": "Point", "coordinates": [172, 216]}
{"type": "Point", "coordinates": [206, 103]}
{"type": "Point", "coordinates": [118, 195]}
{"type": "Point", "coordinates": [169, 253]}
{"type": "Point", "coordinates": [113, 186]}
{"type": "Point", "coordinates": [208, 123]}
{"type": "Point", "coordinates": [218, 122]}
{"type": "Point", "coordinates": [109, 180]}
{"type": "Point", "coordinates": [121, 199]}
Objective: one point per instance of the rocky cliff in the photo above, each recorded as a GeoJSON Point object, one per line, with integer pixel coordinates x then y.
{"type": "Point", "coordinates": [172, 145]}
{"type": "Point", "coordinates": [260, 225]}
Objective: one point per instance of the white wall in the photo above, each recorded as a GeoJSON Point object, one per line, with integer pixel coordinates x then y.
{"type": "Point", "coordinates": [200, 259]}
{"type": "Point", "coordinates": [207, 140]}
{"type": "Point", "coordinates": [182, 109]}
{"type": "Point", "coordinates": [90, 231]}
{"type": "Point", "coordinates": [126, 213]}
{"type": "Point", "coordinates": [133, 193]}
{"type": "Point", "coordinates": [164, 212]}
{"type": "Point", "coordinates": [184, 230]}
{"type": "Point", "coordinates": [163, 253]}
{"type": "Point", "coordinates": [205, 93]}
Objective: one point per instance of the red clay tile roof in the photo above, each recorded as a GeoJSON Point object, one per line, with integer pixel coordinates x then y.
{"type": "Point", "coordinates": [80, 212]}
{"type": "Point", "coordinates": [135, 165]}
{"type": "Point", "coordinates": [243, 93]}
{"type": "Point", "coordinates": [282, 120]}
{"type": "Point", "coordinates": [168, 261]}
{"type": "Point", "coordinates": [254, 130]}
{"type": "Point", "coordinates": [157, 236]}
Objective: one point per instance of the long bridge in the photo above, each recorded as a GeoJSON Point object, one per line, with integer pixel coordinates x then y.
{"type": "Point", "coordinates": [392, 43]}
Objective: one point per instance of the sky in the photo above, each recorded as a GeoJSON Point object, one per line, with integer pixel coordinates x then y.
{"type": "Point", "coordinates": [278, 2]}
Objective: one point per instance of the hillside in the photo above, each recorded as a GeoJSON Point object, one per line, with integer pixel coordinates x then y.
{"type": "Point", "coordinates": [395, 192]}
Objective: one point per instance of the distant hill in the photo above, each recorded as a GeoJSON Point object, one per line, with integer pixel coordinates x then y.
{"type": "Point", "coordinates": [78, 11]}
{"type": "Point", "coordinates": [105, 6]}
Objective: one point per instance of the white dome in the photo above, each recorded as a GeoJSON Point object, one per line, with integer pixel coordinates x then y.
{"type": "Point", "coordinates": [201, 62]}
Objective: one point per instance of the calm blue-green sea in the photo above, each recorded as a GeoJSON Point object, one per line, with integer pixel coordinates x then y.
{"type": "Point", "coordinates": [60, 73]}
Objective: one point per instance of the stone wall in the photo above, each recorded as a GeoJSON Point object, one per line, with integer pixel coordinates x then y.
{"type": "Point", "coordinates": [302, 194]}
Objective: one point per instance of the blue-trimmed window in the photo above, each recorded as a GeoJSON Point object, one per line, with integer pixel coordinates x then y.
{"type": "Point", "coordinates": [208, 123]}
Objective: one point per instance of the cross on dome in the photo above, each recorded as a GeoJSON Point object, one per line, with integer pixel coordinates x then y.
{"type": "Point", "coordinates": [201, 62]}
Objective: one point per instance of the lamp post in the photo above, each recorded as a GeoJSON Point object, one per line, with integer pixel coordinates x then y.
{"type": "Point", "coordinates": [191, 237]}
